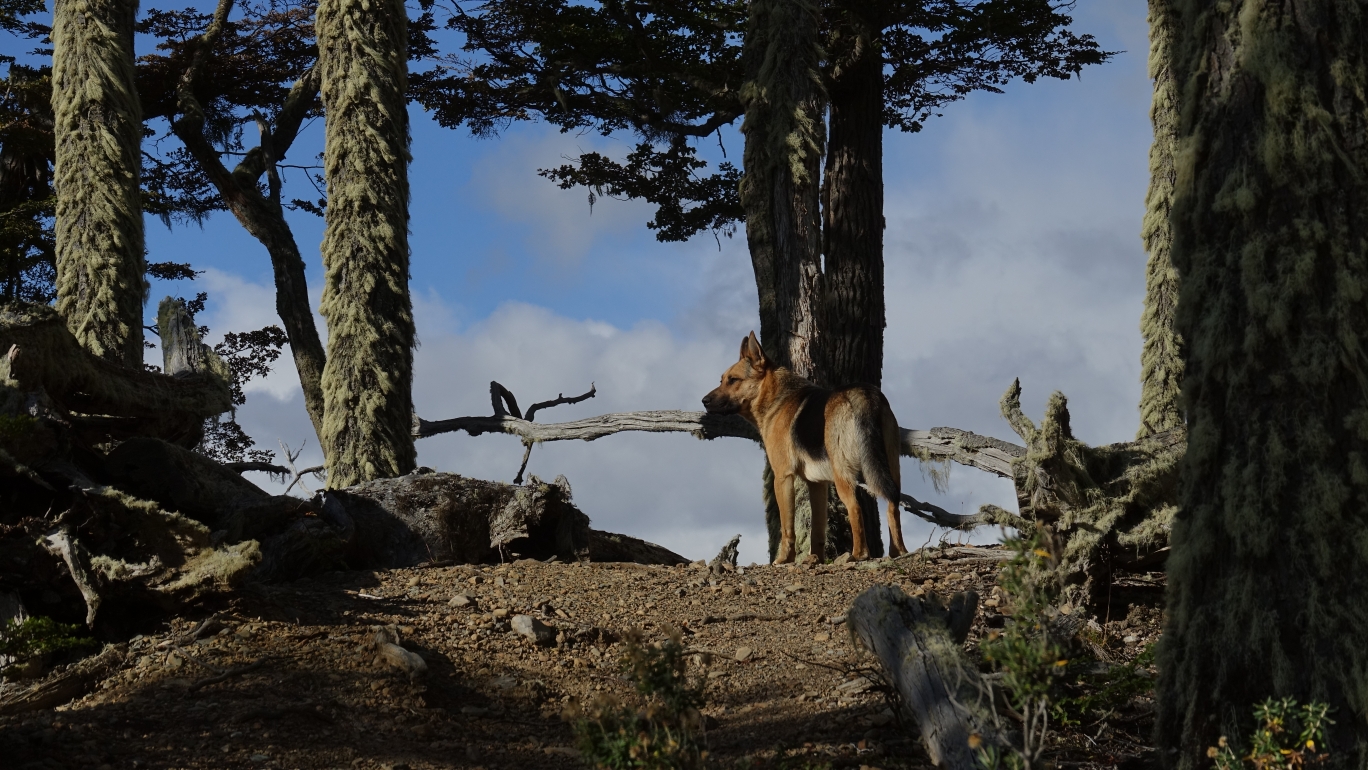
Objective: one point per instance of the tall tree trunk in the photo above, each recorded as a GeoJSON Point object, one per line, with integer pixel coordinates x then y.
{"type": "Point", "coordinates": [779, 191]}
{"type": "Point", "coordinates": [1268, 577]}
{"type": "Point", "coordinates": [262, 215]}
{"type": "Point", "coordinates": [98, 134]}
{"type": "Point", "coordinates": [368, 377]}
{"type": "Point", "coordinates": [852, 216]}
{"type": "Point", "coordinates": [1161, 363]}
{"type": "Point", "coordinates": [853, 318]}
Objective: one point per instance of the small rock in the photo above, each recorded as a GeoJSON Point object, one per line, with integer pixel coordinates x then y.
{"type": "Point", "coordinates": [793, 589]}
{"type": "Point", "coordinates": [500, 613]}
{"type": "Point", "coordinates": [842, 559]}
{"type": "Point", "coordinates": [461, 600]}
{"type": "Point", "coordinates": [821, 637]}
{"type": "Point", "coordinates": [414, 581]}
{"type": "Point", "coordinates": [258, 758]}
{"type": "Point", "coordinates": [743, 653]}
{"type": "Point", "coordinates": [1131, 639]}
{"type": "Point", "coordinates": [534, 629]}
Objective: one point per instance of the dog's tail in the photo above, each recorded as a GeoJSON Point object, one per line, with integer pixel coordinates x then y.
{"type": "Point", "coordinates": [880, 437]}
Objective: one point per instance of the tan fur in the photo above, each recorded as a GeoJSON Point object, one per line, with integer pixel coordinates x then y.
{"type": "Point", "coordinates": [771, 398]}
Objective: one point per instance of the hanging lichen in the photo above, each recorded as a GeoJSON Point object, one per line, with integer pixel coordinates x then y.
{"type": "Point", "coordinates": [368, 377]}
{"type": "Point", "coordinates": [1161, 363]}
{"type": "Point", "coordinates": [98, 132]}
{"type": "Point", "coordinates": [1268, 576]}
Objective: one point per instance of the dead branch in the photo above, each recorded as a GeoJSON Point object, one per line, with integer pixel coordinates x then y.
{"type": "Point", "coordinates": [297, 475]}
{"type": "Point", "coordinates": [558, 400]}
{"type": "Point", "coordinates": [62, 542]}
{"type": "Point", "coordinates": [961, 446]}
{"type": "Point", "coordinates": [501, 397]}
{"type": "Point", "coordinates": [725, 561]}
{"type": "Point", "coordinates": [988, 514]}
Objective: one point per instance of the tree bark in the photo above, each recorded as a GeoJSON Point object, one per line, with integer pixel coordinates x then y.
{"type": "Point", "coordinates": [1161, 362]}
{"type": "Point", "coordinates": [852, 215]}
{"type": "Point", "coordinates": [368, 377]}
{"type": "Point", "coordinates": [1268, 576]}
{"type": "Point", "coordinates": [853, 320]}
{"type": "Point", "coordinates": [783, 127]}
{"type": "Point", "coordinates": [260, 215]}
{"type": "Point", "coordinates": [98, 133]}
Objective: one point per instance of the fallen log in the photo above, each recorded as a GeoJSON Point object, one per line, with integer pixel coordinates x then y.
{"type": "Point", "coordinates": [920, 642]}
{"type": "Point", "coordinates": [78, 680]}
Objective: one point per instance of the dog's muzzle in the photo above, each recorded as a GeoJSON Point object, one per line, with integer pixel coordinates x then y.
{"type": "Point", "coordinates": [715, 404]}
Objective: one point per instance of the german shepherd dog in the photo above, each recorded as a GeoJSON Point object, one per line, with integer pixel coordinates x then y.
{"type": "Point", "coordinates": [846, 436]}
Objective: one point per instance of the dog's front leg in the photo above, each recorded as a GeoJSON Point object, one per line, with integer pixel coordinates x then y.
{"type": "Point", "coordinates": [783, 495]}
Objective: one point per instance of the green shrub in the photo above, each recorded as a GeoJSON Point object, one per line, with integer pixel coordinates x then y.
{"type": "Point", "coordinates": [40, 636]}
{"type": "Point", "coordinates": [664, 732]}
{"type": "Point", "coordinates": [1107, 691]}
{"type": "Point", "coordinates": [1029, 660]}
{"type": "Point", "coordinates": [1288, 737]}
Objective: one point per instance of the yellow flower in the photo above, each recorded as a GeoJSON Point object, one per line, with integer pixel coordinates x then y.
{"type": "Point", "coordinates": [1042, 553]}
{"type": "Point", "coordinates": [1212, 752]}
{"type": "Point", "coordinates": [1221, 742]}
{"type": "Point", "coordinates": [975, 740]}
{"type": "Point", "coordinates": [1061, 663]}
{"type": "Point", "coordinates": [1311, 745]}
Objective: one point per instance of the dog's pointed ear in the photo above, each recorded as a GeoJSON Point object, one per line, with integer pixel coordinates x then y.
{"type": "Point", "coordinates": [751, 351]}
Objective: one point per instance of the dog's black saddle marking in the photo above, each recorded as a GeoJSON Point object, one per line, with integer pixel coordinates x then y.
{"type": "Point", "coordinates": [809, 427]}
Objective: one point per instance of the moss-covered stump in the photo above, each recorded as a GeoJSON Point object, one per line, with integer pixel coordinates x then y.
{"type": "Point", "coordinates": [1101, 508]}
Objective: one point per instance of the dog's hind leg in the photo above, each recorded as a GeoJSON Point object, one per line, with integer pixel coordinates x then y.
{"type": "Point", "coordinates": [845, 489]}
{"type": "Point", "coordinates": [896, 546]}
{"type": "Point", "coordinates": [817, 495]}
{"type": "Point", "coordinates": [783, 495]}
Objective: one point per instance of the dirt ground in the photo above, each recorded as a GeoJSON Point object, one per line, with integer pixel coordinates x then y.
{"type": "Point", "coordinates": [290, 678]}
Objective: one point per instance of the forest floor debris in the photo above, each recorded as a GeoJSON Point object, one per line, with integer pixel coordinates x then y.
{"type": "Point", "coordinates": [297, 675]}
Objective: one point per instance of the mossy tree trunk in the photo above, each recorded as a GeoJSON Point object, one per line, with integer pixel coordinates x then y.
{"type": "Point", "coordinates": [367, 380]}
{"type": "Point", "coordinates": [1161, 363]}
{"type": "Point", "coordinates": [784, 136]}
{"type": "Point", "coordinates": [1268, 576]}
{"type": "Point", "coordinates": [98, 133]}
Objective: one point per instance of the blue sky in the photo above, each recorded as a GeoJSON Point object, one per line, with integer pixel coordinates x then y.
{"type": "Point", "coordinates": [1012, 250]}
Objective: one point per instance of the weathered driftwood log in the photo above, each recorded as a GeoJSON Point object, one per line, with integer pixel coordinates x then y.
{"type": "Point", "coordinates": [920, 643]}
{"type": "Point", "coordinates": [102, 398]}
{"type": "Point", "coordinates": [79, 679]}
{"type": "Point", "coordinates": [961, 446]}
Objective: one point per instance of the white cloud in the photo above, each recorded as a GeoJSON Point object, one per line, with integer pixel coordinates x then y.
{"type": "Point", "coordinates": [556, 225]}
